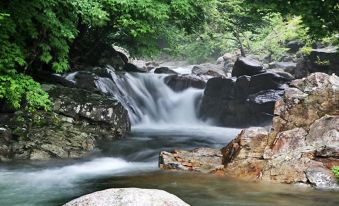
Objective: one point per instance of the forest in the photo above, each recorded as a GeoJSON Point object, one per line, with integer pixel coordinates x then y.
{"type": "Point", "coordinates": [58, 35]}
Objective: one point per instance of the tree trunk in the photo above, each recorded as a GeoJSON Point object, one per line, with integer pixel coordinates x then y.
{"type": "Point", "coordinates": [241, 47]}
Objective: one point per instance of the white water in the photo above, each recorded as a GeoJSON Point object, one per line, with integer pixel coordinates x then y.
{"type": "Point", "coordinates": [161, 120]}
{"type": "Point", "coordinates": [150, 101]}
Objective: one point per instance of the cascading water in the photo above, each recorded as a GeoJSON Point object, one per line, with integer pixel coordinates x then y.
{"type": "Point", "coordinates": [150, 101]}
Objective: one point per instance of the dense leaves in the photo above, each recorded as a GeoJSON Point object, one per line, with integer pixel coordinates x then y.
{"type": "Point", "coordinates": [57, 35]}
{"type": "Point", "coordinates": [41, 34]}
{"type": "Point", "coordinates": [320, 16]}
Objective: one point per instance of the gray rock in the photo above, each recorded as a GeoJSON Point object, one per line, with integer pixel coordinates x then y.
{"type": "Point", "coordinates": [321, 178]}
{"type": "Point", "coordinates": [128, 197]}
{"type": "Point", "coordinates": [182, 82]}
{"type": "Point", "coordinates": [247, 66]}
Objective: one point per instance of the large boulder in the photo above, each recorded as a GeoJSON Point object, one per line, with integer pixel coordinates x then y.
{"type": "Point", "coordinates": [128, 197]}
{"type": "Point", "coordinates": [75, 127]}
{"type": "Point", "coordinates": [247, 66]}
{"type": "Point", "coordinates": [247, 100]}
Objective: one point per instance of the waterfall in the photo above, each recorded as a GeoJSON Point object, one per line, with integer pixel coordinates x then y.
{"type": "Point", "coordinates": [149, 100]}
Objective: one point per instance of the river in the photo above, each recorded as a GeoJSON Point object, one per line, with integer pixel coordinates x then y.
{"type": "Point", "coordinates": [161, 120]}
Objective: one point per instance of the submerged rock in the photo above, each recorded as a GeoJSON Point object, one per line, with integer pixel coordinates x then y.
{"type": "Point", "coordinates": [128, 197]}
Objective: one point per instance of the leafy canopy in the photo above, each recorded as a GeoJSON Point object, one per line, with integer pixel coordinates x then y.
{"type": "Point", "coordinates": [40, 35]}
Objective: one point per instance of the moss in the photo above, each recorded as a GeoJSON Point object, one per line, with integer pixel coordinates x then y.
{"type": "Point", "coordinates": [335, 171]}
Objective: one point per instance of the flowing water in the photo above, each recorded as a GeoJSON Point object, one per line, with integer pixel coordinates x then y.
{"type": "Point", "coordinates": [161, 120]}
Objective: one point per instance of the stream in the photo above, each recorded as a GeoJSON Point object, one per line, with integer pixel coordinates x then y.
{"type": "Point", "coordinates": [161, 120]}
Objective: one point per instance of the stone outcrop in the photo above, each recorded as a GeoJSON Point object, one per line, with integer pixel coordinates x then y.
{"type": "Point", "coordinates": [128, 197]}
{"type": "Point", "coordinates": [247, 100]}
{"type": "Point", "coordinates": [79, 121]}
{"type": "Point", "coordinates": [304, 142]}
{"type": "Point", "coordinates": [303, 145]}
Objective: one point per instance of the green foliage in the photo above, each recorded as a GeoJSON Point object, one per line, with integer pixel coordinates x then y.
{"type": "Point", "coordinates": [16, 87]}
{"type": "Point", "coordinates": [320, 16]}
{"type": "Point", "coordinates": [335, 171]}
{"type": "Point", "coordinates": [270, 40]}
{"type": "Point", "coordinates": [51, 34]}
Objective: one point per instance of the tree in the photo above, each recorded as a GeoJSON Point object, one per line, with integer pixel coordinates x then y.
{"type": "Point", "coordinates": [320, 16]}
{"type": "Point", "coordinates": [39, 35]}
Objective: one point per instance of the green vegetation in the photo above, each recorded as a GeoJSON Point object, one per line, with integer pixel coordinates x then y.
{"type": "Point", "coordinates": [335, 171]}
{"type": "Point", "coordinates": [55, 35]}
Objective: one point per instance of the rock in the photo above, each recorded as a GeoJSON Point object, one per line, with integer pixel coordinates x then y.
{"type": "Point", "coordinates": [243, 101]}
{"type": "Point", "coordinates": [294, 46]}
{"type": "Point", "coordinates": [182, 82]}
{"type": "Point", "coordinates": [205, 160]}
{"type": "Point", "coordinates": [321, 178]}
{"type": "Point", "coordinates": [301, 148]}
{"type": "Point", "coordinates": [266, 81]}
{"type": "Point", "coordinates": [324, 60]}
{"type": "Point", "coordinates": [247, 66]}
{"type": "Point", "coordinates": [303, 145]}
{"type": "Point", "coordinates": [128, 197]}
{"type": "Point", "coordinates": [220, 88]}
{"type": "Point", "coordinates": [164, 70]}
{"type": "Point", "coordinates": [208, 69]}
{"type": "Point", "coordinates": [75, 127]}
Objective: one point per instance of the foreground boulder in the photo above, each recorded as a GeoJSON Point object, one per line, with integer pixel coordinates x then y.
{"type": "Point", "coordinates": [80, 120]}
{"type": "Point", "coordinates": [303, 145]}
{"type": "Point", "coordinates": [128, 197]}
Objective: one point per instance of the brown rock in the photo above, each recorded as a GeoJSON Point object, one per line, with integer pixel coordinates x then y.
{"type": "Point", "coordinates": [205, 160]}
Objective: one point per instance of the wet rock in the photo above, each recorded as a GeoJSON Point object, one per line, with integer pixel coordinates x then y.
{"type": "Point", "coordinates": [128, 197]}
{"type": "Point", "coordinates": [247, 66]}
{"type": "Point", "coordinates": [266, 81]}
{"type": "Point", "coordinates": [205, 160]}
{"type": "Point", "coordinates": [164, 70]}
{"type": "Point", "coordinates": [243, 101]}
{"type": "Point", "coordinates": [182, 82]}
